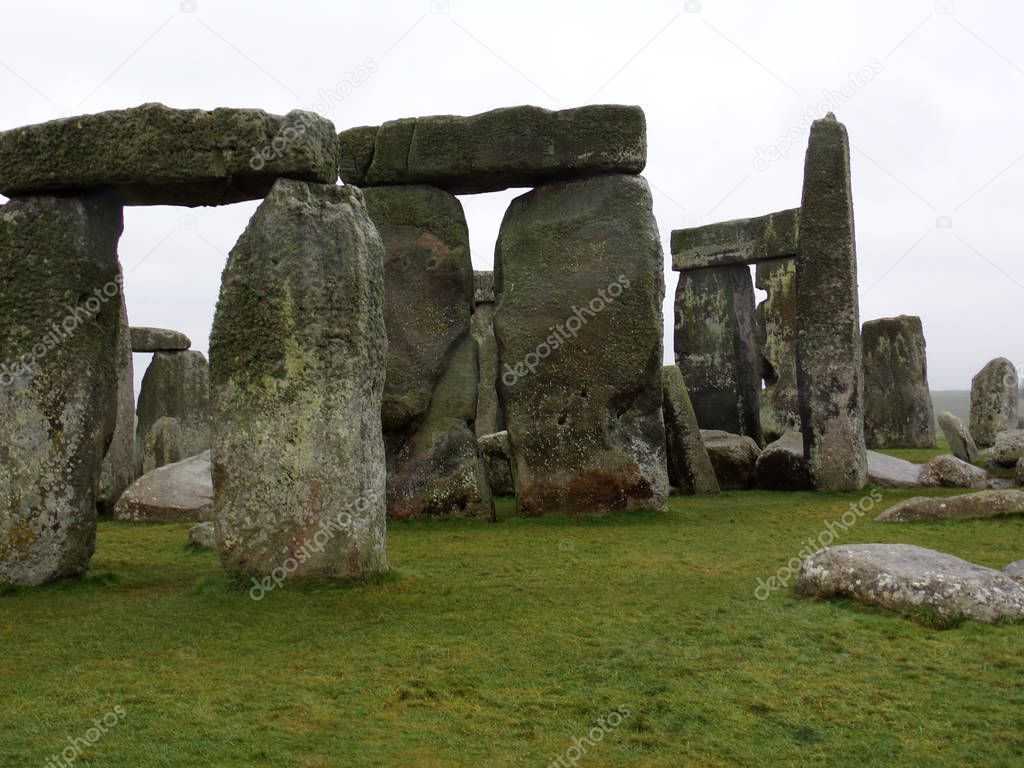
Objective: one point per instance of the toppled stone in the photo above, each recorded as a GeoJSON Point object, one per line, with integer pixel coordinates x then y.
{"type": "Point", "coordinates": [994, 401]}
{"type": "Point", "coordinates": [578, 274]}
{"type": "Point", "coordinates": [163, 444]}
{"type": "Point", "coordinates": [118, 469]}
{"type": "Point", "coordinates": [296, 382]}
{"type": "Point", "coordinates": [902, 577]}
{"type": "Point", "coordinates": [510, 147]}
{"type": "Point", "coordinates": [60, 310]}
{"type": "Point", "coordinates": [734, 458]}
{"type": "Point", "coordinates": [739, 242]}
{"type": "Point", "coordinates": [158, 340]}
{"type": "Point", "coordinates": [782, 466]}
{"type": "Point", "coordinates": [1015, 571]}
{"type": "Point", "coordinates": [891, 472]}
{"type": "Point", "coordinates": [497, 452]}
{"type": "Point", "coordinates": [897, 401]}
{"type": "Point", "coordinates": [829, 366]}
{"type": "Point", "coordinates": [689, 466]}
{"type": "Point", "coordinates": [775, 328]}
{"type": "Point", "coordinates": [174, 493]}
{"type": "Point", "coordinates": [958, 437]}
{"type": "Point", "coordinates": [203, 536]}
{"type": "Point", "coordinates": [155, 155]}
{"type": "Point", "coordinates": [951, 472]}
{"type": "Point", "coordinates": [176, 384]}
{"type": "Point", "coordinates": [981, 504]}
{"type": "Point", "coordinates": [489, 416]}
{"type": "Point", "coordinates": [1008, 448]}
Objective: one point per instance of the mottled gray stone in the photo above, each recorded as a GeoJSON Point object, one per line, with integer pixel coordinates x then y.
{"type": "Point", "coordinates": [163, 444]}
{"type": "Point", "coordinates": [497, 452]}
{"type": "Point", "coordinates": [430, 396]}
{"type": "Point", "coordinates": [298, 357]}
{"type": "Point", "coordinates": [982, 504]}
{"type": "Point", "coordinates": [203, 536]}
{"type": "Point", "coordinates": [782, 466]}
{"type": "Point", "coordinates": [355, 153]}
{"type": "Point", "coordinates": [176, 384]}
{"type": "Point", "coordinates": [737, 242]}
{"type": "Point", "coordinates": [906, 578]}
{"type": "Point", "coordinates": [951, 472]}
{"type": "Point", "coordinates": [489, 417]}
{"type": "Point", "coordinates": [1015, 571]}
{"type": "Point", "coordinates": [509, 147]}
{"type": "Point", "coordinates": [181, 492]}
{"type": "Point", "coordinates": [775, 326]}
{"type": "Point", "coordinates": [829, 366]}
{"type": "Point", "coordinates": [578, 274]}
{"type": "Point", "coordinates": [958, 437]}
{"type": "Point", "coordinates": [716, 350]}
{"type": "Point", "coordinates": [890, 472]}
{"type": "Point", "coordinates": [118, 469]}
{"type": "Point", "coordinates": [689, 466]}
{"type": "Point", "coordinates": [1008, 448]}
{"type": "Point", "coordinates": [155, 155]}
{"type": "Point", "coordinates": [734, 458]}
{"type": "Point", "coordinates": [1019, 472]}
{"type": "Point", "coordinates": [994, 401]}
{"type": "Point", "coordinates": [60, 311]}
{"type": "Point", "coordinates": [158, 340]}
{"type": "Point", "coordinates": [897, 401]}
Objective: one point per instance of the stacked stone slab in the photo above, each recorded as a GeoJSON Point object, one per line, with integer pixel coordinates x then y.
{"type": "Point", "coordinates": [489, 418]}
{"type": "Point", "coordinates": [298, 360]}
{"type": "Point", "coordinates": [118, 469]}
{"type": "Point", "coordinates": [775, 322]}
{"type": "Point", "coordinates": [430, 399]}
{"type": "Point", "coordinates": [994, 401]}
{"type": "Point", "coordinates": [897, 402]}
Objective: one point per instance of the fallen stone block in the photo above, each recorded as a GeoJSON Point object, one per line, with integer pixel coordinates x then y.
{"type": "Point", "coordinates": [891, 472]}
{"type": "Point", "coordinates": [951, 472]}
{"type": "Point", "coordinates": [734, 458]}
{"type": "Point", "coordinates": [782, 466]}
{"type": "Point", "coordinates": [174, 493]}
{"type": "Point", "coordinates": [982, 504]}
{"type": "Point", "coordinates": [958, 437]}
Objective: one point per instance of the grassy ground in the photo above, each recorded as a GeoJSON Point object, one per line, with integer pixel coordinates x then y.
{"type": "Point", "coordinates": [499, 644]}
{"type": "Point", "coordinates": [920, 455]}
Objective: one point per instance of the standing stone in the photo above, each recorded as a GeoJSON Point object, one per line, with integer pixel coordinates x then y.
{"type": "Point", "coordinates": [298, 355]}
{"type": "Point", "coordinates": [689, 466]}
{"type": "Point", "coordinates": [716, 350]}
{"type": "Point", "coordinates": [994, 401]}
{"type": "Point", "coordinates": [434, 463]}
{"type": "Point", "coordinates": [163, 445]}
{"type": "Point", "coordinates": [897, 402]}
{"type": "Point", "coordinates": [775, 323]}
{"type": "Point", "coordinates": [60, 311]}
{"type": "Point", "coordinates": [497, 453]}
{"type": "Point", "coordinates": [579, 279]}
{"type": "Point", "coordinates": [489, 418]}
{"type": "Point", "coordinates": [829, 370]}
{"type": "Point", "coordinates": [958, 437]}
{"type": "Point", "coordinates": [118, 470]}
{"type": "Point", "coordinates": [176, 384]}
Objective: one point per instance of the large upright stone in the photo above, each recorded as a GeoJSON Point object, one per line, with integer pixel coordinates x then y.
{"type": "Point", "coordinates": [434, 464]}
{"type": "Point", "coordinates": [510, 147]}
{"type": "Point", "coordinates": [60, 311]}
{"type": "Point", "coordinates": [155, 155]}
{"type": "Point", "coordinates": [897, 402]}
{"type": "Point", "coordinates": [298, 355]}
{"type": "Point", "coordinates": [994, 401]}
{"type": "Point", "coordinates": [775, 323]}
{"type": "Point", "coordinates": [829, 370]}
{"type": "Point", "coordinates": [578, 274]}
{"type": "Point", "coordinates": [118, 470]}
{"type": "Point", "coordinates": [176, 384]}
{"type": "Point", "coordinates": [716, 350]}
{"type": "Point", "coordinates": [959, 437]}
{"type": "Point", "coordinates": [689, 466]}
{"type": "Point", "coordinates": [489, 418]}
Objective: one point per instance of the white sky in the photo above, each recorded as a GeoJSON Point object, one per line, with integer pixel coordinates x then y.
{"type": "Point", "coordinates": [936, 129]}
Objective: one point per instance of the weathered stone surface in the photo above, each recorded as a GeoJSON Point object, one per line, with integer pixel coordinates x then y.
{"type": "Point", "coordinates": [734, 458]}
{"type": "Point", "coordinates": [158, 340]}
{"type": "Point", "coordinates": [430, 396]}
{"type": "Point", "coordinates": [737, 242]}
{"type": "Point", "coordinates": [174, 493]}
{"type": "Point", "coordinates": [1008, 448]}
{"type": "Point", "coordinates": [951, 472]}
{"type": "Point", "coordinates": [982, 504]}
{"type": "Point", "coordinates": [902, 577]}
{"type": "Point", "coordinates": [118, 469]}
{"type": "Point", "coordinates": [163, 444]}
{"type": "Point", "coordinates": [578, 274]}
{"type": "Point", "coordinates": [1019, 473]}
{"type": "Point", "coordinates": [958, 437]}
{"type": "Point", "coordinates": [176, 384]}
{"type": "Point", "coordinates": [829, 366]}
{"type": "Point", "coordinates": [60, 310]}
{"type": "Point", "coordinates": [716, 350]}
{"type": "Point", "coordinates": [689, 466]}
{"type": "Point", "coordinates": [775, 328]}
{"type": "Point", "coordinates": [497, 452]}
{"type": "Point", "coordinates": [897, 401]}
{"type": "Point", "coordinates": [509, 147]}
{"type": "Point", "coordinates": [489, 417]}
{"type": "Point", "coordinates": [782, 466]}
{"type": "Point", "coordinates": [891, 472]}
{"type": "Point", "coordinates": [1015, 571]}
{"type": "Point", "coordinates": [203, 536]}
{"type": "Point", "coordinates": [298, 358]}
{"type": "Point", "coordinates": [355, 153]}
{"type": "Point", "coordinates": [155, 155]}
{"type": "Point", "coordinates": [994, 401]}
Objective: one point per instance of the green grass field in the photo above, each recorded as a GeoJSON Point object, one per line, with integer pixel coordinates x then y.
{"type": "Point", "coordinates": [498, 644]}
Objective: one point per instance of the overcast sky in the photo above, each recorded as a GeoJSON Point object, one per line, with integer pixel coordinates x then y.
{"type": "Point", "coordinates": [932, 95]}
